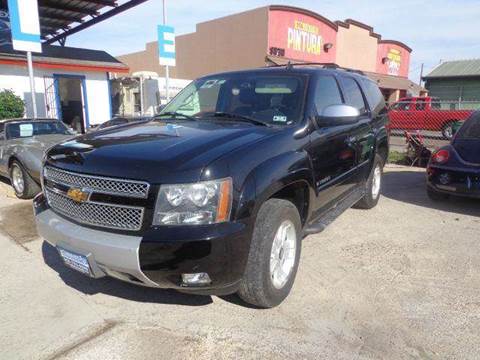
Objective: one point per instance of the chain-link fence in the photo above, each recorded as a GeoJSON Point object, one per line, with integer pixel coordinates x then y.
{"type": "Point", "coordinates": [420, 125]}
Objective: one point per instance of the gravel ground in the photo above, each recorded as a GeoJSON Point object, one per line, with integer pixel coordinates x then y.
{"type": "Point", "coordinates": [399, 281]}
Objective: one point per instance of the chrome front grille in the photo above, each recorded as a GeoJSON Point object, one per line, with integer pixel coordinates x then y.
{"type": "Point", "coordinates": [104, 185]}
{"type": "Point", "coordinates": [98, 214]}
{"type": "Point", "coordinates": [91, 212]}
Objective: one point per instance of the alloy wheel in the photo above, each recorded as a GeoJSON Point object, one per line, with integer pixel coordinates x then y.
{"type": "Point", "coordinates": [17, 179]}
{"type": "Point", "coordinates": [282, 257]}
{"type": "Point", "coordinates": [376, 182]}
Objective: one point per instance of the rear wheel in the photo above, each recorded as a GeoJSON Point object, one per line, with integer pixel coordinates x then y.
{"type": "Point", "coordinates": [23, 185]}
{"type": "Point", "coordinates": [373, 186]}
{"type": "Point", "coordinates": [274, 255]}
{"type": "Point", "coordinates": [436, 196]}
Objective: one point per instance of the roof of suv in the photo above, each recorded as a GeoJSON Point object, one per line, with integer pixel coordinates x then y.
{"type": "Point", "coordinates": [309, 69]}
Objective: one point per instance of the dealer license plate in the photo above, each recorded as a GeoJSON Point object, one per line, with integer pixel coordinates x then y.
{"type": "Point", "coordinates": [75, 261]}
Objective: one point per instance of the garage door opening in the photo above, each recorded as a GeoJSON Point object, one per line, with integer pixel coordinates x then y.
{"type": "Point", "coordinates": [71, 102]}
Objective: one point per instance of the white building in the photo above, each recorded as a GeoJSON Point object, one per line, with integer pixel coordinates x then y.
{"type": "Point", "coordinates": [142, 93]}
{"type": "Point", "coordinates": [71, 84]}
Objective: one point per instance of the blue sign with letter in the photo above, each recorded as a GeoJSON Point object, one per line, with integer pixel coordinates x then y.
{"type": "Point", "coordinates": [166, 45]}
{"type": "Point", "coordinates": [25, 25]}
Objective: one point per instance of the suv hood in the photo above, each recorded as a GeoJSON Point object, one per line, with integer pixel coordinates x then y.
{"type": "Point", "coordinates": [156, 151]}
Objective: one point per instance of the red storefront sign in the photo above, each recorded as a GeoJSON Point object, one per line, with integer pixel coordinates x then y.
{"type": "Point", "coordinates": [301, 37]}
{"type": "Point", "coordinates": [392, 59]}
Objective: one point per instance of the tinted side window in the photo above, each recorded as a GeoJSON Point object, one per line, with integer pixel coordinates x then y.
{"type": "Point", "coordinates": [420, 105]}
{"type": "Point", "coordinates": [374, 96]}
{"type": "Point", "coordinates": [403, 106]}
{"type": "Point", "coordinates": [326, 93]}
{"type": "Point", "coordinates": [2, 127]}
{"type": "Point", "coordinates": [353, 94]}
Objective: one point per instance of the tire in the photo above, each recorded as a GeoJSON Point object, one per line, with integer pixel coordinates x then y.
{"type": "Point", "coordinates": [373, 186]}
{"type": "Point", "coordinates": [436, 196]}
{"type": "Point", "coordinates": [24, 186]}
{"type": "Point", "coordinates": [447, 130]}
{"type": "Point", "coordinates": [260, 286]}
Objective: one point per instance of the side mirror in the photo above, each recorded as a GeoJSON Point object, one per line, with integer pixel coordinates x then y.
{"type": "Point", "coordinates": [338, 115]}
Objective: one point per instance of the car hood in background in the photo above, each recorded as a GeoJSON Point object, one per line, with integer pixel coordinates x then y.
{"type": "Point", "coordinates": [156, 151]}
{"type": "Point", "coordinates": [41, 142]}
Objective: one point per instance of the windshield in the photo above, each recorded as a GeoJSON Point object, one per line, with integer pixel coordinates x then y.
{"type": "Point", "coordinates": [273, 99]}
{"type": "Point", "coordinates": [35, 128]}
{"type": "Point", "coordinates": [470, 129]}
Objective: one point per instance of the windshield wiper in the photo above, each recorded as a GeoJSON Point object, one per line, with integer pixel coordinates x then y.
{"type": "Point", "coordinates": [240, 117]}
{"type": "Point", "coordinates": [174, 115]}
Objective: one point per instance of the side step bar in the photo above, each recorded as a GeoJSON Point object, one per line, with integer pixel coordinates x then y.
{"type": "Point", "coordinates": [318, 225]}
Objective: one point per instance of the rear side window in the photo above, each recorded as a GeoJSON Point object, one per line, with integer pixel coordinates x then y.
{"type": "Point", "coordinates": [353, 94]}
{"type": "Point", "coordinates": [374, 96]}
{"type": "Point", "coordinates": [2, 127]}
{"type": "Point", "coordinates": [470, 129]}
{"type": "Point", "coordinates": [420, 105]}
{"type": "Point", "coordinates": [326, 93]}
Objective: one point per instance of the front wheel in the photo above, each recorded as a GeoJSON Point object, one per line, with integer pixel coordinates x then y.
{"type": "Point", "coordinates": [23, 185]}
{"type": "Point", "coordinates": [373, 186]}
{"type": "Point", "coordinates": [274, 255]}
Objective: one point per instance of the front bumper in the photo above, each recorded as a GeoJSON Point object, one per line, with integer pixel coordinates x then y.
{"type": "Point", "coordinates": [158, 257]}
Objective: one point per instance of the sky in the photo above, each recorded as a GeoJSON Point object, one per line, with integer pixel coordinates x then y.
{"type": "Point", "coordinates": [436, 30]}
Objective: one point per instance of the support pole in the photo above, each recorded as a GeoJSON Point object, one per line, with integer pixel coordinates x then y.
{"type": "Point", "coordinates": [141, 96]}
{"type": "Point", "coordinates": [167, 72]}
{"type": "Point", "coordinates": [421, 75]}
{"type": "Point", "coordinates": [32, 83]}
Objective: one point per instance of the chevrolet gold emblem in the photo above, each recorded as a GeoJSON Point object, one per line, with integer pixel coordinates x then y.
{"type": "Point", "coordinates": [78, 195]}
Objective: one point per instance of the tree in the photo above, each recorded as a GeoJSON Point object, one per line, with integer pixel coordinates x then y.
{"type": "Point", "coordinates": [11, 105]}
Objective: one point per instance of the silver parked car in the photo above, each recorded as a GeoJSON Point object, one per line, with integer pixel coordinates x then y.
{"type": "Point", "coordinates": [22, 145]}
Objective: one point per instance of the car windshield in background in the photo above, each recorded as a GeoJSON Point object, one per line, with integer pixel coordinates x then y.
{"type": "Point", "coordinates": [35, 128]}
{"type": "Point", "coordinates": [272, 99]}
{"type": "Point", "coordinates": [471, 129]}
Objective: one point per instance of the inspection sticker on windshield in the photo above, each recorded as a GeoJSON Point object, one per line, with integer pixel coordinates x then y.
{"type": "Point", "coordinates": [280, 118]}
{"type": "Point", "coordinates": [26, 130]}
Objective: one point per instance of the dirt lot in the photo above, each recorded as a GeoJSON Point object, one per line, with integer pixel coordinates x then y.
{"type": "Point", "coordinates": [399, 281]}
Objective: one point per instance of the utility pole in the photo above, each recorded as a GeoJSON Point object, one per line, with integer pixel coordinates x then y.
{"type": "Point", "coordinates": [421, 75]}
{"type": "Point", "coordinates": [167, 75]}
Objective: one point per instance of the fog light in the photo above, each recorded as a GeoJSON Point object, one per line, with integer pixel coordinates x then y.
{"type": "Point", "coordinates": [444, 179]}
{"type": "Point", "coordinates": [196, 279]}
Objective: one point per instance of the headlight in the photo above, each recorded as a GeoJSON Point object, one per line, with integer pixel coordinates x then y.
{"type": "Point", "coordinates": [201, 203]}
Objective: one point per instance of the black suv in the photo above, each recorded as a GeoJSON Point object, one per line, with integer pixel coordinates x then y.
{"type": "Point", "coordinates": [215, 194]}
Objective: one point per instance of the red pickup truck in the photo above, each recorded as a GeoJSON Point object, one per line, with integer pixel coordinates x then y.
{"type": "Point", "coordinates": [426, 113]}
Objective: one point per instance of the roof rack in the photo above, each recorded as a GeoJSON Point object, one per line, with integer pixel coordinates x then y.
{"type": "Point", "coordinates": [290, 65]}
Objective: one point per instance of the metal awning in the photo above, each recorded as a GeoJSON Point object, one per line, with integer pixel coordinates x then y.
{"type": "Point", "coordinates": [61, 18]}
{"type": "Point", "coordinates": [392, 82]}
